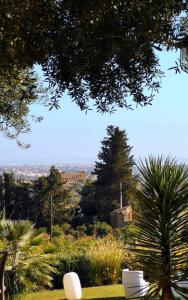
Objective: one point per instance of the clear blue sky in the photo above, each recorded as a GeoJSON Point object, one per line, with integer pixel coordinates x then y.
{"type": "Point", "coordinates": [71, 136]}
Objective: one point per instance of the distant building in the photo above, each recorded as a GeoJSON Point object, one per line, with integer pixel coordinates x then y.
{"type": "Point", "coordinates": [71, 178]}
{"type": "Point", "coordinates": [119, 217]}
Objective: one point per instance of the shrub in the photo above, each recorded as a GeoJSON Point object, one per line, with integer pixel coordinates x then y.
{"type": "Point", "coordinates": [97, 261]}
{"type": "Point", "coordinates": [66, 228]}
{"type": "Point", "coordinates": [82, 230]}
{"type": "Point", "coordinates": [73, 257]}
{"type": "Point", "coordinates": [78, 263]}
{"type": "Point", "coordinates": [76, 233]}
{"type": "Point", "coordinates": [101, 229]}
{"type": "Point", "coordinates": [106, 258]}
{"type": "Point", "coordinates": [56, 231]}
{"type": "Point", "coordinates": [125, 234]}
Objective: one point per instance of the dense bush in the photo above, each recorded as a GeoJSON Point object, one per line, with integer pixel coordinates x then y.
{"type": "Point", "coordinates": [97, 261]}
{"type": "Point", "coordinates": [98, 229]}
{"type": "Point", "coordinates": [78, 263]}
{"type": "Point", "coordinates": [33, 257]}
{"type": "Point", "coordinates": [77, 232]}
{"type": "Point", "coordinates": [101, 229]}
{"type": "Point", "coordinates": [66, 228]}
{"type": "Point", "coordinates": [125, 234]}
{"type": "Point", "coordinates": [73, 258]}
{"type": "Point", "coordinates": [56, 230]}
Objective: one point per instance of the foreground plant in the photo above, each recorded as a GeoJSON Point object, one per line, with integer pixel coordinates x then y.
{"type": "Point", "coordinates": [106, 257]}
{"type": "Point", "coordinates": [162, 220]}
{"type": "Point", "coordinates": [31, 261]}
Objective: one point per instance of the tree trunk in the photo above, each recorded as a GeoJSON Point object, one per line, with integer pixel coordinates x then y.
{"type": "Point", "coordinates": [166, 296]}
{"type": "Point", "coordinates": [166, 293]}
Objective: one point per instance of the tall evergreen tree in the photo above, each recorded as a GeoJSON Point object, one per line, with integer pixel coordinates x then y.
{"type": "Point", "coordinates": [114, 167]}
{"type": "Point", "coordinates": [16, 198]}
{"type": "Point", "coordinates": [62, 202]}
{"type": "Point", "coordinates": [88, 212]}
{"type": "Point", "coordinates": [24, 202]}
{"type": "Point", "coordinates": [40, 186]}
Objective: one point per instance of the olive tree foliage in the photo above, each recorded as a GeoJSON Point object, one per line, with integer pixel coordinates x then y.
{"type": "Point", "coordinates": [19, 85]}
{"type": "Point", "coordinates": [18, 90]}
{"type": "Point", "coordinates": [105, 50]}
{"type": "Point", "coordinates": [100, 52]}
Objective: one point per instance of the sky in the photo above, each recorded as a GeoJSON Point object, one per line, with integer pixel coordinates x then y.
{"type": "Point", "coordinates": [71, 136]}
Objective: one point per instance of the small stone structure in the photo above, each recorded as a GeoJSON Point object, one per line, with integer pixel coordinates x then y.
{"type": "Point", "coordinates": [71, 178]}
{"type": "Point", "coordinates": [119, 217]}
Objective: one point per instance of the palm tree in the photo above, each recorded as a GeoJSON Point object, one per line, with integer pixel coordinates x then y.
{"type": "Point", "coordinates": [162, 226]}
{"type": "Point", "coordinates": [31, 261]}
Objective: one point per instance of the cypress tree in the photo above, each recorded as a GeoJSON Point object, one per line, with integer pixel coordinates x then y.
{"type": "Point", "coordinates": [114, 167]}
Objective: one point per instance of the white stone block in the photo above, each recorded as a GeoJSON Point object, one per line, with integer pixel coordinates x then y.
{"type": "Point", "coordinates": [72, 286]}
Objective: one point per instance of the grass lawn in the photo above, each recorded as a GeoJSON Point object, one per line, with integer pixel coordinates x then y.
{"type": "Point", "coordinates": [112, 292]}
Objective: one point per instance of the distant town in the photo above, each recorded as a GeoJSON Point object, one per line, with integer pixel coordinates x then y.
{"type": "Point", "coordinates": [32, 172]}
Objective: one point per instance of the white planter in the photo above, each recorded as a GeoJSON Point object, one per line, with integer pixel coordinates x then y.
{"type": "Point", "coordinates": [72, 286]}
{"type": "Point", "coordinates": [181, 284]}
{"type": "Point", "coordinates": [133, 283]}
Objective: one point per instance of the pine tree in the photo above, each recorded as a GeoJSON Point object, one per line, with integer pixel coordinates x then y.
{"type": "Point", "coordinates": [25, 206]}
{"type": "Point", "coordinates": [63, 204]}
{"type": "Point", "coordinates": [114, 167]}
{"type": "Point", "coordinates": [88, 203]}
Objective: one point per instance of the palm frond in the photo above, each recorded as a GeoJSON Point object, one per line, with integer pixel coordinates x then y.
{"type": "Point", "coordinates": [162, 223]}
{"type": "Point", "coordinates": [31, 262]}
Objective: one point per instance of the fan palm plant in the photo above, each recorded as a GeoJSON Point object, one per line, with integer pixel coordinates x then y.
{"type": "Point", "coordinates": [31, 259]}
{"type": "Point", "coordinates": [162, 226]}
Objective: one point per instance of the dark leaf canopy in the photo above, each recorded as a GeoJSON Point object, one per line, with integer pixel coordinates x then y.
{"type": "Point", "coordinates": [105, 50]}
{"type": "Point", "coordinates": [102, 52]}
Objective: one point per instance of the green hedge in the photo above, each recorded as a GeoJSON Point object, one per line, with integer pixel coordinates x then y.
{"type": "Point", "coordinates": [77, 263]}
